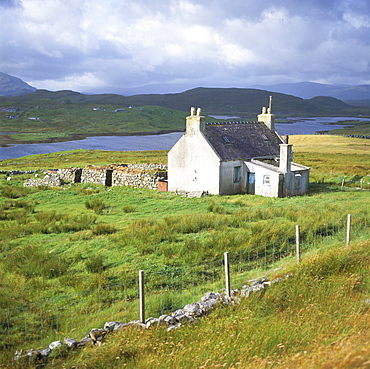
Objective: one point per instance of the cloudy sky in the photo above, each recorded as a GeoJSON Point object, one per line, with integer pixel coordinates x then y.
{"type": "Point", "coordinates": [110, 45]}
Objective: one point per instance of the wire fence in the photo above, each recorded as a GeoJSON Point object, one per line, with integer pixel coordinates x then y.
{"type": "Point", "coordinates": [75, 315]}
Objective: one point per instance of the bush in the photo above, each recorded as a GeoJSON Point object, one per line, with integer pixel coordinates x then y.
{"type": "Point", "coordinates": [54, 267]}
{"type": "Point", "coordinates": [13, 192]}
{"type": "Point", "coordinates": [75, 223]}
{"type": "Point", "coordinates": [95, 264]}
{"type": "Point", "coordinates": [97, 205]}
{"type": "Point", "coordinates": [30, 261]}
{"type": "Point", "coordinates": [129, 209]}
{"type": "Point", "coordinates": [103, 228]}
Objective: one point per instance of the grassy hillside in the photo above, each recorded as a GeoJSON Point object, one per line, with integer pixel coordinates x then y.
{"type": "Point", "coordinates": [319, 318]}
{"type": "Point", "coordinates": [212, 100]}
{"type": "Point", "coordinates": [70, 257]}
{"type": "Point", "coordinates": [44, 116]}
{"type": "Point", "coordinates": [13, 86]}
{"type": "Point", "coordinates": [61, 120]}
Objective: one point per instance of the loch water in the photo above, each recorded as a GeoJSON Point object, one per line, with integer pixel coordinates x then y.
{"type": "Point", "coordinates": [163, 141]}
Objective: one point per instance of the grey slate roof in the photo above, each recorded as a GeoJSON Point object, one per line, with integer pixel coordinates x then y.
{"type": "Point", "coordinates": [242, 140]}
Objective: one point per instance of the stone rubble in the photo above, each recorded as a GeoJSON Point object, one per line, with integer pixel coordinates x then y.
{"type": "Point", "coordinates": [16, 172]}
{"type": "Point", "coordinates": [190, 313]}
{"type": "Point", "coordinates": [50, 180]}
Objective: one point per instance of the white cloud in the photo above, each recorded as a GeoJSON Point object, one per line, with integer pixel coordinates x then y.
{"type": "Point", "coordinates": [85, 81]}
{"type": "Point", "coordinates": [125, 43]}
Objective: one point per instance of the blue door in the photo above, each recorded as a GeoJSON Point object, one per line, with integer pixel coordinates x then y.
{"type": "Point", "coordinates": [250, 183]}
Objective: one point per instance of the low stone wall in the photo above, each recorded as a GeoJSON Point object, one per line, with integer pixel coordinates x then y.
{"type": "Point", "coordinates": [15, 172]}
{"type": "Point", "coordinates": [189, 314]}
{"type": "Point", "coordinates": [139, 176]}
{"type": "Point", "coordinates": [97, 174]}
{"type": "Point", "coordinates": [50, 180]}
{"type": "Point", "coordinates": [131, 175]}
{"type": "Point", "coordinates": [72, 175]}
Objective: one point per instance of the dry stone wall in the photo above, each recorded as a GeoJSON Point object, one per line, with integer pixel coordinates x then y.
{"type": "Point", "coordinates": [50, 180]}
{"type": "Point", "coordinates": [132, 175]}
{"type": "Point", "coordinates": [139, 176]}
{"type": "Point", "coordinates": [97, 174]}
{"type": "Point", "coordinates": [71, 175]}
{"type": "Point", "coordinates": [189, 314]}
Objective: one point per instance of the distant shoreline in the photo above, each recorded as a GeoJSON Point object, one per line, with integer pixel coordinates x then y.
{"type": "Point", "coordinates": [8, 142]}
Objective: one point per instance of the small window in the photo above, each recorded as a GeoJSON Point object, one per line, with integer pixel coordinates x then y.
{"type": "Point", "coordinates": [297, 181]}
{"type": "Point", "coordinates": [237, 174]}
{"type": "Point", "coordinates": [266, 179]}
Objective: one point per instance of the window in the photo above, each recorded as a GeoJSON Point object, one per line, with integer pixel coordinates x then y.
{"type": "Point", "coordinates": [297, 182]}
{"type": "Point", "coordinates": [237, 174]}
{"type": "Point", "coordinates": [266, 179]}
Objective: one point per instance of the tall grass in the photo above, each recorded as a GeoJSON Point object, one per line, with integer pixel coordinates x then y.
{"type": "Point", "coordinates": [75, 257]}
{"type": "Point", "coordinates": [316, 319]}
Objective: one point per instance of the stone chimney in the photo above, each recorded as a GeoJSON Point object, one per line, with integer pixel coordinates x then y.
{"type": "Point", "coordinates": [195, 122]}
{"type": "Point", "coordinates": [286, 157]}
{"type": "Point", "coordinates": [267, 117]}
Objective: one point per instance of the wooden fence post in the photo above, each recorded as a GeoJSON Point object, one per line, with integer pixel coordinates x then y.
{"type": "Point", "coordinates": [297, 244]}
{"type": "Point", "coordinates": [227, 274]}
{"type": "Point", "coordinates": [142, 296]}
{"type": "Point", "coordinates": [348, 237]}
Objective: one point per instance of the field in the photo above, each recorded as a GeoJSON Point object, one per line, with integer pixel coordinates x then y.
{"type": "Point", "coordinates": [73, 245]}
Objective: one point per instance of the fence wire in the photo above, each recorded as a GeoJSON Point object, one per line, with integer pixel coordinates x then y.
{"type": "Point", "coordinates": [167, 290]}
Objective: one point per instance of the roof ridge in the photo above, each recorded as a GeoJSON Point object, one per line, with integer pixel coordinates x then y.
{"type": "Point", "coordinates": [232, 122]}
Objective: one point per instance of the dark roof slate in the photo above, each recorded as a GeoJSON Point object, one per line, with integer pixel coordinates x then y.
{"type": "Point", "coordinates": [242, 141]}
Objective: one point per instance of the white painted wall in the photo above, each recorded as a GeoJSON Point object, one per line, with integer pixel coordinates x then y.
{"type": "Point", "coordinates": [227, 184]}
{"type": "Point", "coordinates": [296, 182]}
{"type": "Point", "coordinates": [193, 165]}
{"type": "Point", "coordinates": [261, 188]}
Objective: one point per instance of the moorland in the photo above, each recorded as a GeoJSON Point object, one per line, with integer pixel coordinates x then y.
{"type": "Point", "coordinates": [70, 257]}
{"type": "Point", "coordinates": [44, 116]}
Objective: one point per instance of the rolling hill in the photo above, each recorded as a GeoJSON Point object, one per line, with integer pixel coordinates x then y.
{"type": "Point", "coordinates": [13, 86]}
{"type": "Point", "coordinates": [245, 102]}
{"type": "Point", "coordinates": [308, 90]}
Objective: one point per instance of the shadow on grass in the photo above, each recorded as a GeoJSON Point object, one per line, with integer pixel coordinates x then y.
{"type": "Point", "coordinates": [320, 187]}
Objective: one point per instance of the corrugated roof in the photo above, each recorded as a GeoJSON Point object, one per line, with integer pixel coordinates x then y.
{"type": "Point", "coordinates": [242, 140]}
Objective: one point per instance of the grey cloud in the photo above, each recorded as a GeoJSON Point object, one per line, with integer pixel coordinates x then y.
{"type": "Point", "coordinates": [10, 3]}
{"type": "Point", "coordinates": [212, 41]}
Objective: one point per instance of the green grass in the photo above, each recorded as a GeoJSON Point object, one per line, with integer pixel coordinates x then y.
{"type": "Point", "coordinates": [81, 158]}
{"type": "Point", "coordinates": [358, 128]}
{"type": "Point", "coordinates": [60, 244]}
{"type": "Point", "coordinates": [61, 122]}
{"type": "Point", "coordinates": [316, 319]}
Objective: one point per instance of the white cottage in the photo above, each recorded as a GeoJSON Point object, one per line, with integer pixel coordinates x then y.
{"type": "Point", "coordinates": [235, 157]}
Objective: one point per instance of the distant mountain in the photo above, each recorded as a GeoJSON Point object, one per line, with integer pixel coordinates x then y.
{"type": "Point", "coordinates": [13, 86]}
{"type": "Point", "coordinates": [234, 101]}
{"type": "Point", "coordinates": [157, 88]}
{"type": "Point", "coordinates": [308, 90]}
